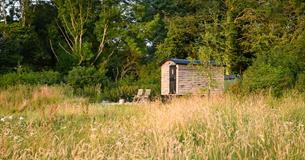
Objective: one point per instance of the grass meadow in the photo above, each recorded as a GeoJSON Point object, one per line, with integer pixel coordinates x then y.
{"type": "Point", "coordinates": [44, 122]}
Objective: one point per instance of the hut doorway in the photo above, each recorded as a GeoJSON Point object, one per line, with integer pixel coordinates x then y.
{"type": "Point", "coordinates": [172, 79]}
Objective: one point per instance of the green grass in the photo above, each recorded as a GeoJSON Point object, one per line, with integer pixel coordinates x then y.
{"type": "Point", "coordinates": [56, 125]}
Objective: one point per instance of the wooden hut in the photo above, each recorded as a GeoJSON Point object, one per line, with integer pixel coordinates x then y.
{"type": "Point", "coordinates": [183, 77]}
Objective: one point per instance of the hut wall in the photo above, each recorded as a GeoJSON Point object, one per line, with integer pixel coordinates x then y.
{"type": "Point", "coordinates": [218, 79]}
{"type": "Point", "coordinates": [191, 80]}
{"type": "Point", "coordinates": [165, 77]}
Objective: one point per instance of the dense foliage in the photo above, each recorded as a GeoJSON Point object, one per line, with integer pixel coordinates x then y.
{"type": "Point", "coordinates": [125, 41]}
{"type": "Point", "coordinates": [31, 78]}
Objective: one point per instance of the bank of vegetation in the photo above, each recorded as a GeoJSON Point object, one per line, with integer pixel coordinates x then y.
{"type": "Point", "coordinates": [60, 58]}
{"type": "Point", "coordinates": [108, 49]}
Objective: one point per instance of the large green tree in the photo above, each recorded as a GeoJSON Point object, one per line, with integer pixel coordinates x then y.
{"type": "Point", "coordinates": [185, 25]}
{"type": "Point", "coordinates": [74, 17]}
{"type": "Point", "coordinates": [275, 35]}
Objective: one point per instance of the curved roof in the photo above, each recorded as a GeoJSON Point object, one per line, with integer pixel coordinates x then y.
{"type": "Point", "coordinates": [181, 61]}
{"type": "Point", "coordinates": [186, 61]}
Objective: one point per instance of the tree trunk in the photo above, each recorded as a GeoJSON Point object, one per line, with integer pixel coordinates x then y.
{"type": "Point", "coordinates": [230, 51]}
{"type": "Point", "coordinates": [3, 12]}
{"type": "Point", "coordinates": [25, 7]}
{"type": "Point", "coordinates": [74, 16]}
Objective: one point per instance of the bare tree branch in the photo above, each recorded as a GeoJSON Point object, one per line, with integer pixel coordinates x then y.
{"type": "Point", "coordinates": [53, 51]}
{"type": "Point", "coordinates": [67, 39]}
{"type": "Point", "coordinates": [102, 44]}
{"type": "Point", "coordinates": [65, 49]}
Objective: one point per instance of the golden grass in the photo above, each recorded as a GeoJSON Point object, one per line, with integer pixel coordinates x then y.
{"type": "Point", "coordinates": [223, 127]}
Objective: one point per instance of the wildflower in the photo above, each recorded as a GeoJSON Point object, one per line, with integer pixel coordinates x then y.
{"type": "Point", "coordinates": [16, 138]}
{"type": "Point", "coordinates": [3, 119]}
{"type": "Point", "coordinates": [21, 118]}
{"type": "Point", "coordinates": [119, 144]}
{"type": "Point", "coordinates": [10, 117]}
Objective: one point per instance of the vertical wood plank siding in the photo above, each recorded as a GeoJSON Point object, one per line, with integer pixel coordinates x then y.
{"type": "Point", "coordinates": [191, 79]}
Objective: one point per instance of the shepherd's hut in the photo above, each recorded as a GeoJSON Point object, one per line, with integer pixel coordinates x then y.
{"type": "Point", "coordinates": [185, 77]}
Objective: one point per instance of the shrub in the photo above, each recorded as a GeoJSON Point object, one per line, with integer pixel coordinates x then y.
{"type": "Point", "coordinates": [81, 77]}
{"type": "Point", "coordinates": [31, 78]}
{"type": "Point", "coordinates": [10, 79]}
{"type": "Point", "coordinates": [47, 77]}
{"type": "Point", "coordinates": [300, 83]}
{"type": "Point", "coordinates": [87, 81]}
{"type": "Point", "coordinates": [265, 77]}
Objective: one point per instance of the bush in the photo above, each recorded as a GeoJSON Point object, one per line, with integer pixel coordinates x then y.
{"type": "Point", "coordinates": [81, 77]}
{"type": "Point", "coordinates": [264, 77]}
{"type": "Point", "coordinates": [47, 77]}
{"type": "Point", "coordinates": [10, 79]}
{"type": "Point", "coordinates": [279, 69]}
{"type": "Point", "coordinates": [31, 78]}
{"type": "Point", "coordinates": [300, 83]}
{"type": "Point", "coordinates": [87, 81]}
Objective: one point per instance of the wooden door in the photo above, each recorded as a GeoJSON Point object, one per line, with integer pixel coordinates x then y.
{"type": "Point", "coordinates": [172, 79]}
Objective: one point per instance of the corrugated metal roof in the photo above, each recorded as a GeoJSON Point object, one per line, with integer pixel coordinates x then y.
{"type": "Point", "coordinates": [184, 61]}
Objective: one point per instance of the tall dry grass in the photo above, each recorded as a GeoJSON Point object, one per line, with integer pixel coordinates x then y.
{"type": "Point", "coordinates": [223, 127]}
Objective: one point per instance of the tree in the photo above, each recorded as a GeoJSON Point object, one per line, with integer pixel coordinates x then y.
{"type": "Point", "coordinates": [8, 10]}
{"type": "Point", "coordinates": [3, 11]}
{"type": "Point", "coordinates": [276, 36]}
{"type": "Point", "coordinates": [211, 51]}
{"type": "Point", "coordinates": [25, 11]}
{"type": "Point", "coordinates": [231, 37]}
{"type": "Point", "coordinates": [108, 26]}
{"type": "Point", "coordinates": [21, 46]}
{"type": "Point", "coordinates": [185, 27]}
{"type": "Point", "coordinates": [74, 16]}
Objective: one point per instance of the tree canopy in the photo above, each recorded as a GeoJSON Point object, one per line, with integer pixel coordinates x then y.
{"type": "Point", "coordinates": [127, 39]}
